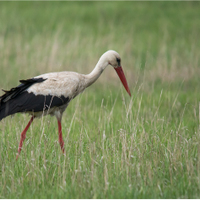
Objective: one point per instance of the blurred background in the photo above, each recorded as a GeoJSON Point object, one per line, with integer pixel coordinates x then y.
{"type": "Point", "coordinates": [146, 146]}
{"type": "Point", "coordinates": [158, 41]}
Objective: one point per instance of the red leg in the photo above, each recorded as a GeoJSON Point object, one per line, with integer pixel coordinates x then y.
{"type": "Point", "coordinates": [23, 136]}
{"type": "Point", "coordinates": [60, 137]}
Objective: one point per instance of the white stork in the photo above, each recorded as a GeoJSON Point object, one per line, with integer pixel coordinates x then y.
{"type": "Point", "coordinates": [51, 93]}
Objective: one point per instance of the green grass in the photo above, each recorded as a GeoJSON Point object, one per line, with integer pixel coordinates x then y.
{"type": "Point", "coordinates": [146, 146]}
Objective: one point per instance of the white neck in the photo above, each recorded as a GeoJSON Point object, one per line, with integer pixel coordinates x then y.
{"type": "Point", "coordinates": [96, 72]}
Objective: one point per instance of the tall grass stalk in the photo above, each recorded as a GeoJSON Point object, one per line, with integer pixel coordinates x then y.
{"type": "Point", "coordinates": [146, 146]}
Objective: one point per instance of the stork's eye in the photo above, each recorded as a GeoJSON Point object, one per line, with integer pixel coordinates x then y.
{"type": "Point", "coordinates": [118, 61]}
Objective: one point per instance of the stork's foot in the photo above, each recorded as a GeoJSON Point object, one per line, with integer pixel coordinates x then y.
{"type": "Point", "coordinates": [62, 146]}
{"type": "Point", "coordinates": [61, 143]}
{"type": "Point", "coordinates": [23, 136]}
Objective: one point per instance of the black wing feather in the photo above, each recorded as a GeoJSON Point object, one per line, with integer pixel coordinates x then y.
{"type": "Point", "coordinates": [33, 103]}
{"type": "Point", "coordinates": [13, 92]}
{"type": "Point", "coordinates": [9, 100]}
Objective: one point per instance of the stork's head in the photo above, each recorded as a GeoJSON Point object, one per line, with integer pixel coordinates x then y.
{"type": "Point", "coordinates": [114, 60]}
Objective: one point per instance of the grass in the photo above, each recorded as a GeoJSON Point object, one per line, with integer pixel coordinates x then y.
{"type": "Point", "coordinates": [146, 146]}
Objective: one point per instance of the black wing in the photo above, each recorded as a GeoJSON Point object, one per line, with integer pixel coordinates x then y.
{"type": "Point", "coordinates": [13, 92]}
{"type": "Point", "coordinates": [30, 102]}
{"type": "Point", "coordinates": [19, 100]}
{"type": "Point", "coordinates": [15, 99]}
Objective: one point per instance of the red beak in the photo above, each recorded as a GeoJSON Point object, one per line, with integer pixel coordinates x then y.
{"type": "Point", "coordinates": [122, 77]}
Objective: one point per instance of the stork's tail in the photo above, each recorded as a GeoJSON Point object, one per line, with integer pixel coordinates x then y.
{"type": "Point", "coordinates": [4, 111]}
{"type": "Point", "coordinates": [7, 104]}
{"type": "Point", "coordinates": [8, 100]}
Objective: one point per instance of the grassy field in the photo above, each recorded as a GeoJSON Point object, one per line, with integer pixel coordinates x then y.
{"type": "Point", "coordinates": [146, 146]}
